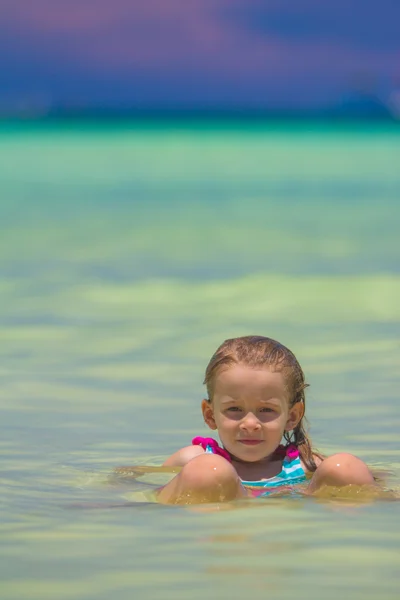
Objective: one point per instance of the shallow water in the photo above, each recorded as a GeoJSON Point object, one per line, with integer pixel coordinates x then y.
{"type": "Point", "coordinates": [127, 255]}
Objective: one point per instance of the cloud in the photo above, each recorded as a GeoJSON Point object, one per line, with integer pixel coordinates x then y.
{"type": "Point", "coordinates": [151, 34]}
{"type": "Point", "coordinates": [205, 42]}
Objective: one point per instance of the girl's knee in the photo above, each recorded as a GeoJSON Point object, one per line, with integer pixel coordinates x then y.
{"type": "Point", "coordinates": [340, 470]}
{"type": "Point", "coordinates": [205, 478]}
{"type": "Point", "coordinates": [208, 470]}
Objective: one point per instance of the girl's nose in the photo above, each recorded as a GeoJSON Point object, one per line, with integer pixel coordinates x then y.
{"type": "Point", "coordinates": [250, 423]}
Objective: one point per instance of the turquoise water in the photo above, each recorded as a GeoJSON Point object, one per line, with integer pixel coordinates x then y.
{"type": "Point", "coordinates": [127, 254]}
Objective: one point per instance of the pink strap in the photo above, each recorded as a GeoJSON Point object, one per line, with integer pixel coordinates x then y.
{"type": "Point", "coordinates": [213, 444]}
{"type": "Point", "coordinates": [291, 451]}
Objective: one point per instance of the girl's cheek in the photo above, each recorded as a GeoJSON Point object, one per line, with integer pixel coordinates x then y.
{"type": "Point", "coordinates": [277, 424]}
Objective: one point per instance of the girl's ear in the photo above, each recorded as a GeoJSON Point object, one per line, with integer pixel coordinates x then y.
{"type": "Point", "coordinates": [208, 414]}
{"type": "Point", "coordinates": [296, 413]}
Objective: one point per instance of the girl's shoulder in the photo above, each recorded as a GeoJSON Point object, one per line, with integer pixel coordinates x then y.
{"type": "Point", "coordinates": [183, 456]}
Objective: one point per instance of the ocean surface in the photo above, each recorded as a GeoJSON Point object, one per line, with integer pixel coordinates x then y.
{"type": "Point", "coordinates": [128, 252]}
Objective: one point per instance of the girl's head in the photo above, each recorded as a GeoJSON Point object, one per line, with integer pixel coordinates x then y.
{"type": "Point", "coordinates": [256, 395]}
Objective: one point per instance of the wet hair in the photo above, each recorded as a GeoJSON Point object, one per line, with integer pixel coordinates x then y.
{"type": "Point", "coordinates": [261, 352]}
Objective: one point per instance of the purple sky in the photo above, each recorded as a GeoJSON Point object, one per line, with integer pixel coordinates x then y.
{"type": "Point", "coordinates": [196, 53]}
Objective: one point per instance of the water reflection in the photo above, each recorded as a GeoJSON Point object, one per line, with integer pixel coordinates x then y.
{"type": "Point", "coordinates": [110, 310]}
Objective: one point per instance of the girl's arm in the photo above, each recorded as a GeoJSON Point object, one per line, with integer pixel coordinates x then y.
{"type": "Point", "coordinates": [179, 459]}
{"type": "Point", "coordinates": [183, 456]}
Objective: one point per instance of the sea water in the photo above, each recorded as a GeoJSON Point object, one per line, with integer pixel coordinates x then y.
{"type": "Point", "coordinates": [128, 252]}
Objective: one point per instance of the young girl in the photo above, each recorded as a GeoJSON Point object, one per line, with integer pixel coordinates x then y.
{"type": "Point", "coordinates": [255, 399]}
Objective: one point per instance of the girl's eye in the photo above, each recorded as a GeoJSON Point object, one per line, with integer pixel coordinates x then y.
{"type": "Point", "coordinates": [266, 409]}
{"type": "Point", "coordinates": [233, 409]}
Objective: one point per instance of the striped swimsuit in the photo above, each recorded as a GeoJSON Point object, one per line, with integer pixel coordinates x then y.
{"type": "Point", "coordinates": [291, 474]}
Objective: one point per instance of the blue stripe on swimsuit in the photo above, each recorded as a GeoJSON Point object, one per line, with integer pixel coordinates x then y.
{"type": "Point", "coordinates": [292, 473]}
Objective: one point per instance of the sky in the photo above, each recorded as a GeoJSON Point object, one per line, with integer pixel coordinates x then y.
{"type": "Point", "coordinates": [157, 54]}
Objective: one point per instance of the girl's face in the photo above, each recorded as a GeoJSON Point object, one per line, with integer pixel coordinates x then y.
{"type": "Point", "coordinates": [251, 410]}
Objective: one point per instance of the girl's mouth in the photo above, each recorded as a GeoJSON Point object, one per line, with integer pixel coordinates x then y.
{"type": "Point", "coordinates": [250, 442]}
